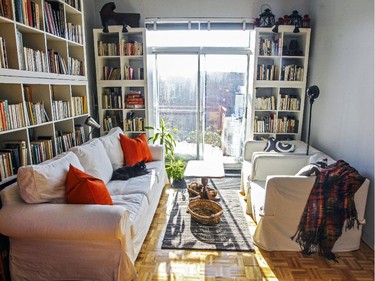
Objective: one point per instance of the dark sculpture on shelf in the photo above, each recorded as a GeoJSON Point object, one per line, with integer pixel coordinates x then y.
{"type": "Point", "coordinates": [109, 17]}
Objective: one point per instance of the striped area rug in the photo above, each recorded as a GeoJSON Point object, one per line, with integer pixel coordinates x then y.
{"type": "Point", "coordinates": [231, 234]}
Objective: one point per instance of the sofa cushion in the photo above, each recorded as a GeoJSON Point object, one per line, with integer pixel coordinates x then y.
{"type": "Point", "coordinates": [274, 145]}
{"type": "Point", "coordinates": [135, 150]}
{"type": "Point", "coordinates": [94, 159]}
{"type": "Point", "coordinates": [82, 188]}
{"type": "Point", "coordinates": [46, 182]}
{"type": "Point", "coordinates": [111, 143]}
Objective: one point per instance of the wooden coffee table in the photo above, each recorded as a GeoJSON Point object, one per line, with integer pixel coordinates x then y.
{"type": "Point", "coordinates": [204, 169]}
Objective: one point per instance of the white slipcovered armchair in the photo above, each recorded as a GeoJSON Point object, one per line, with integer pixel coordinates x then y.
{"type": "Point", "coordinates": [276, 197]}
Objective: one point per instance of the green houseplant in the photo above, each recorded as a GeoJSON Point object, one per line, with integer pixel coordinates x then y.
{"type": "Point", "coordinates": [174, 167]}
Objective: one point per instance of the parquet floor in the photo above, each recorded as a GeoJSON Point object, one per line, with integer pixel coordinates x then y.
{"type": "Point", "coordinates": [153, 263]}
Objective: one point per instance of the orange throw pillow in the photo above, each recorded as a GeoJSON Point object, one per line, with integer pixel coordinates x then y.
{"type": "Point", "coordinates": [82, 188]}
{"type": "Point", "coordinates": [135, 150]}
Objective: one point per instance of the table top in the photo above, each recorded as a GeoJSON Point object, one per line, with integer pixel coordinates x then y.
{"type": "Point", "coordinates": [204, 169]}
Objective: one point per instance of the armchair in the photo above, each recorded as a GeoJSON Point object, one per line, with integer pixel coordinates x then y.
{"type": "Point", "coordinates": [276, 197]}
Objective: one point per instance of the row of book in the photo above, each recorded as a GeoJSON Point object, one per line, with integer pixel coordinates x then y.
{"type": "Point", "coordinates": [79, 105]}
{"type": "Point", "coordinates": [132, 48]}
{"type": "Point", "coordinates": [111, 73]}
{"type": "Point", "coordinates": [13, 154]}
{"type": "Point", "coordinates": [79, 133]}
{"type": "Point", "coordinates": [288, 102]}
{"type": "Point", "coordinates": [35, 60]}
{"type": "Point", "coordinates": [112, 98]}
{"type": "Point", "coordinates": [60, 109]}
{"type": "Point", "coordinates": [74, 33]}
{"type": "Point", "coordinates": [292, 72]}
{"type": "Point", "coordinates": [57, 63]}
{"type": "Point", "coordinates": [108, 49]}
{"type": "Point", "coordinates": [5, 10]}
{"type": "Point", "coordinates": [265, 103]}
{"type": "Point", "coordinates": [64, 141]}
{"type": "Point", "coordinates": [111, 121]}
{"type": "Point", "coordinates": [133, 73]}
{"type": "Point", "coordinates": [41, 150]}
{"type": "Point", "coordinates": [267, 72]}
{"type": "Point", "coordinates": [11, 116]}
{"type": "Point", "coordinates": [36, 113]}
{"type": "Point", "coordinates": [75, 66]}
{"type": "Point", "coordinates": [270, 46]}
{"type": "Point", "coordinates": [270, 124]}
{"type": "Point", "coordinates": [3, 54]}
{"type": "Point", "coordinates": [27, 12]}
{"type": "Point", "coordinates": [54, 18]}
{"type": "Point", "coordinates": [134, 123]}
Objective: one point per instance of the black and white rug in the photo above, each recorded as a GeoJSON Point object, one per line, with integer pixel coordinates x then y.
{"type": "Point", "coordinates": [231, 234]}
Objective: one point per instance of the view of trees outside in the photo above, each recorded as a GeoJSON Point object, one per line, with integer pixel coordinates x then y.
{"type": "Point", "coordinates": [222, 98]}
{"type": "Point", "coordinates": [216, 98]}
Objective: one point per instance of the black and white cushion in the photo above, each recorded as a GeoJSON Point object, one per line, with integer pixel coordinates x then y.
{"type": "Point", "coordinates": [274, 145]}
{"type": "Point", "coordinates": [313, 169]}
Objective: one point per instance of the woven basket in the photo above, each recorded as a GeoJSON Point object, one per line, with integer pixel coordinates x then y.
{"type": "Point", "coordinates": [195, 189]}
{"type": "Point", "coordinates": [205, 211]}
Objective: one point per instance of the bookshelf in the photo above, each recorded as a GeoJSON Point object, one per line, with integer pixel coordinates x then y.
{"type": "Point", "coordinates": [121, 79]}
{"type": "Point", "coordinates": [43, 83]}
{"type": "Point", "coordinates": [278, 83]}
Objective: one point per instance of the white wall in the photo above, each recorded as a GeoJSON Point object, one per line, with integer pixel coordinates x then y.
{"type": "Point", "coordinates": [342, 65]}
{"type": "Point", "coordinates": [201, 8]}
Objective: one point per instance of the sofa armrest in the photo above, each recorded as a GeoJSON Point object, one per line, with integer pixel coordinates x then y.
{"type": "Point", "coordinates": [65, 221]}
{"type": "Point", "coordinates": [157, 152]}
{"type": "Point", "coordinates": [252, 146]}
{"type": "Point", "coordinates": [282, 192]}
{"type": "Point", "coordinates": [267, 164]}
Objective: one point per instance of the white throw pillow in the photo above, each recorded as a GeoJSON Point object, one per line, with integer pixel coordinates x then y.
{"type": "Point", "coordinates": [112, 146]}
{"type": "Point", "coordinates": [46, 182]}
{"type": "Point", "coordinates": [94, 159]}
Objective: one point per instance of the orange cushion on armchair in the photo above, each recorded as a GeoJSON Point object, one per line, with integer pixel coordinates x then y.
{"type": "Point", "coordinates": [81, 188]}
{"type": "Point", "coordinates": [135, 150]}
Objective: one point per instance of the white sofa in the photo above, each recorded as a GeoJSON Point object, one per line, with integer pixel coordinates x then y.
{"type": "Point", "coordinates": [276, 197]}
{"type": "Point", "coordinates": [53, 240]}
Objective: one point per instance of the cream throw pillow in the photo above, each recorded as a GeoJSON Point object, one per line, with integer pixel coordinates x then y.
{"type": "Point", "coordinates": [94, 160]}
{"type": "Point", "coordinates": [46, 182]}
{"type": "Point", "coordinates": [111, 142]}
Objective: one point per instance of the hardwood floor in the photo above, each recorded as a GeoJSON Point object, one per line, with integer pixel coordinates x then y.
{"type": "Point", "coordinates": [153, 263]}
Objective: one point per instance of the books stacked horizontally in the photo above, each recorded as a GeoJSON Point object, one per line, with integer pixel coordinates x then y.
{"type": "Point", "coordinates": [134, 100]}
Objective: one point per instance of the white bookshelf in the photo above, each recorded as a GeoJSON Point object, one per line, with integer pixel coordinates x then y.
{"type": "Point", "coordinates": [115, 108]}
{"type": "Point", "coordinates": [278, 82]}
{"type": "Point", "coordinates": [63, 95]}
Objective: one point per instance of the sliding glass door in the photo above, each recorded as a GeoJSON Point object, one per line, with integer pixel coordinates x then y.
{"type": "Point", "coordinates": [201, 91]}
{"type": "Point", "coordinates": [177, 100]}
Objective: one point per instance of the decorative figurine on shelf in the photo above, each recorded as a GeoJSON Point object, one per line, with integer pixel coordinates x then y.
{"type": "Point", "coordinates": [296, 20]}
{"type": "Point", "coordinates": [286, 20]}
{"type": "Point", "coordinates": [109, 17]}
{"type": "Point", "coordinates": [306, 21]}
{"type": "Point", "coordinates": [267, 19]}
{"type": "Point", "coordinates": [256, 22]}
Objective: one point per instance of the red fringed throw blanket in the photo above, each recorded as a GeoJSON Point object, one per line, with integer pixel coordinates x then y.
{"type": "Point", "coordinates": [330, 205]}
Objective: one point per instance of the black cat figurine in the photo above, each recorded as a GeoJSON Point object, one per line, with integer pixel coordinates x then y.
{"type": "Point", "coordinates": [127, 172]}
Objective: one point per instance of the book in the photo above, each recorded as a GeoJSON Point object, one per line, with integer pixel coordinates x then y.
{"type": "Point", "coordinates": [15, 158]}
{"type": "Point", "coordinates": [22, 149]}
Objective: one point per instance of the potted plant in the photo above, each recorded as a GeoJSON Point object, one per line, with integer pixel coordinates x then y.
{"type": "Point", "coordinates": [175, 170]}
{"type": "Point", "coordinates": [174, 167]}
